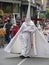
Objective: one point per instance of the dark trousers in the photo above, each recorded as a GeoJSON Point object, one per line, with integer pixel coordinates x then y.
{"type": "Point", "coordinates": [7, 38]}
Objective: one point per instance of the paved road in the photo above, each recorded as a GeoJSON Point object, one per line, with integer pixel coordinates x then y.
{"type": "Point", "coordinates": [11, 59]}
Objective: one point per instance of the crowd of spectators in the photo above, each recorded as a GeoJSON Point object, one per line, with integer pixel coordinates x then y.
{"type": "Point", "coordinates": [8, 29]}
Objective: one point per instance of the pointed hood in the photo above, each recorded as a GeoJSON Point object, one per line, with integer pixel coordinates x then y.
{"type": "Point", "coordinates": [28, 18]}
{"type": "Point", "coordinates": [14, 21]}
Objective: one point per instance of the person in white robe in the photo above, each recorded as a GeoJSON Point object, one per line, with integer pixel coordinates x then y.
{"type": "Point", "coordinates": [25, 36]}
{"type": "Point", "coordinates": [28, 35]}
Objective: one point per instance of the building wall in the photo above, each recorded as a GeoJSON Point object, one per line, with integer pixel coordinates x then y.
{"type": "Point", "coordinates": [47, 4]}
{"type": "Point", "coordinates": [16, 6]}
{"type": "Point", "coordinates": [38, 1]}
{"type": "Point", "coordinates": [9, 8]}
{"type": "Point", "coordinates": [44, 4]}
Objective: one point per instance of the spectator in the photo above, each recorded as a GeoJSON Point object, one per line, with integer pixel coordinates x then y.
{"type": "Point", "coordinates": [14, 29]}
{"type": "Point", "coordinates": [7, 26]}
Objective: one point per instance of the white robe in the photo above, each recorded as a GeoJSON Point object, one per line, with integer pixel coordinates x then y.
{"type": "Point", "coordinates": [40, 46]}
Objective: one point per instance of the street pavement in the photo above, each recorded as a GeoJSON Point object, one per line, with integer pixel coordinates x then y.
{"type": "Point", "coordinates": [12, 59]}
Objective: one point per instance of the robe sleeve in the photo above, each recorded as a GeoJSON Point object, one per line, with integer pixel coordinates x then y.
{"type": "Point", "coordinates": [30, 28]}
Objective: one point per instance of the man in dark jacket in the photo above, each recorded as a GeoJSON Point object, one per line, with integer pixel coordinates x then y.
{"type": "Point", "coordinates": [7, 35]}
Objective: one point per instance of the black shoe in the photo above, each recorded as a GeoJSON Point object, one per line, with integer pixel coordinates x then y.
{"type": "Point", "coordinates": [22, 57]}
{"type": "Point", "coordinates": [27, 57]}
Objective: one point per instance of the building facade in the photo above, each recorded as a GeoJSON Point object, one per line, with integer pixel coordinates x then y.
{"type": "Point", "coordinates": [7, 7]}
{"type": "Point", "coordinates": [45, 4]}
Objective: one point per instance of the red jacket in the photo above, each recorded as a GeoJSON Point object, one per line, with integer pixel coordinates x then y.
{"type": "Point", "coordinates": [14, 30]}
